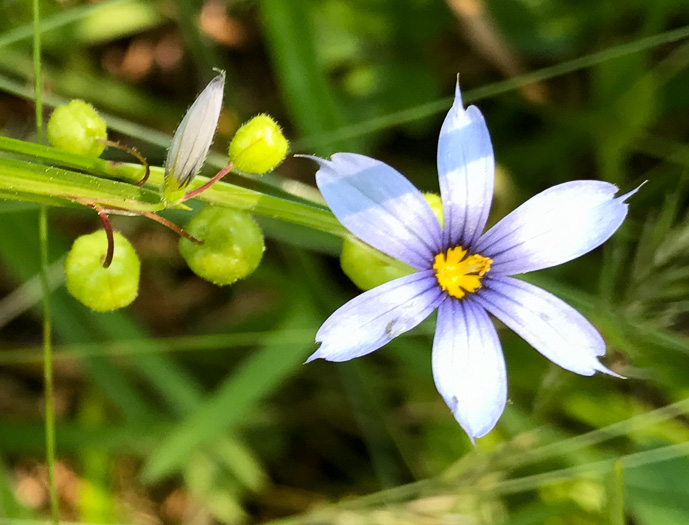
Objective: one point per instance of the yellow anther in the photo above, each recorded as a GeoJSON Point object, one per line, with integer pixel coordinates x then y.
{"type": "Point", "coordinates": [458, 274]}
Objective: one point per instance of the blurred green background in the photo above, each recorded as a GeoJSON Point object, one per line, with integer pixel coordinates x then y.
{"type": "Point", "coordinates": [193, 406]}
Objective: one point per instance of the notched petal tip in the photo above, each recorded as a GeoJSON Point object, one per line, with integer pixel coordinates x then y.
{"type": "Point", "coordinates": [320, 161]}
{"type": "Point", "coordinates": [629, 194]}
{"type": "Point", "coordinates": [458, 94]}
{"type": "Point", "coordinates": [220, 77]}
{"type": "Point", "coordinates": [605, 370]}
{"type": "Point", "coordinates": [462, 421]}
{"type": "Point", "coordinates": [315, 355]}
{"type": "Point", "coordinates": [468, 366]}
{"type": "Point", "coordinates": [474, 433]}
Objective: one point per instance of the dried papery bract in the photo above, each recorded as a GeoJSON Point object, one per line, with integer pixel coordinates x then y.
{"type": "Point", "coordinates": [192, 140]}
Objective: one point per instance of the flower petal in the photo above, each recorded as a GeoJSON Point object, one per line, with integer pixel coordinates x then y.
{"type": "Point", "coordinates": [556, 226]}
{"type": "Point", "coordinates": [381, 207]}
{"type": "Point", "coordinates": [194, 135]}
{"type": "Point", "coordinates": [374, 318]}
{"type": "Point", "coordinates": [546, 322]}
{"type": "Point", "coordinates": [468, 366]}
{"type": "Point", "coordinates": [466, 171]}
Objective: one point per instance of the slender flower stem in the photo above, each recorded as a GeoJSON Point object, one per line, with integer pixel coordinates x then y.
{"type": "Point", "coordinates": [131, 151]}
{"type": "Point", "coordinates": [48, 367]}
{"type": "Point", "coordinates": [171, 225]}
{"type": "Point", "coordinates": [45, 285]}
{"type": "Point", "coordinates": [201, 189]}
{"type": "Point", "coordinates": [103, 215]}
{"type": "Point", "coordinates": [33, 183]}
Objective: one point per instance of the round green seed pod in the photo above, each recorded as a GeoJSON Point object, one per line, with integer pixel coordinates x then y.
{"type": "Point", "coordinates": [436, 204]}
{"type": "Point", "coordinates": [102, 289]}
{"type": "Point", "coordinates": [76, 127]}
{"type": "Point", "coordinates": [232, 245]}
{"type": "Point", "coordinates": [367, 267]}
{"type": "Point", "coordinates": [258, 146]}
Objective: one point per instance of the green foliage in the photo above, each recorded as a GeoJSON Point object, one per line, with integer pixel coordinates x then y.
{"type": "Point", "coordinates": [193, 404]}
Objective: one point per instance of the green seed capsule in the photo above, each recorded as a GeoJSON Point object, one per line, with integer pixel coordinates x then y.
{"type": "Point", "coordinates": [76, 127]}
{"type": "Point", "coordinates": [436, 204]}
{"type": "Point", "coordinates": [368, 267]}
{"type": "Point", "coordinates": [258, 146]}
{"type": "Point", "coordinates": [102, 289]}
{"type": "Point", "coordinates": [232, 245]}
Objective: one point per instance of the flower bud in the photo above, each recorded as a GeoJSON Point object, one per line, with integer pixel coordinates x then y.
{"type": "Point", "coordinates": [102, 289]}
{"type": "Point", "coordinates": [76, 127]}
{"type": "Point", "coordinates": [367, 267]}
{"type": "Point", "coordinates": [258, 146]}
{"type": "Point", "coordinates": [192, 140]}
{"type": "Point", "coordinates": [232, 245]}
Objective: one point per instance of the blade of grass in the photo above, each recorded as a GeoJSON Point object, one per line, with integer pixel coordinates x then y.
{"type": "Point", "coordinates": [287, 27]}
{"type": "Point", "coordinates": [614, 488]}
{"type": "Point", "coordinates": [72, 322]}
{"type": "Point", "coordinates": [497, 88]}
{"type": "Point", "coordinates": [25, 32]}
{"type": "Point", "coordinates": [259, 375]}
{"type": "Point", "coordinates": [45, 285]}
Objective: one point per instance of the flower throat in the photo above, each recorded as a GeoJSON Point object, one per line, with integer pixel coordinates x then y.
{"type": "Point", "coordinates": [458, 274]}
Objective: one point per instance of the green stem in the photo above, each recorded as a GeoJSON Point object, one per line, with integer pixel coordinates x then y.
{"type": "Point", "coordinates": [48, 367]}
{"type": "Point", "coordinates": [206, 185]}
{"type": "Point", "coordinates": [26, 178]}
{"type": "Point", "coordinates": [45, 285]}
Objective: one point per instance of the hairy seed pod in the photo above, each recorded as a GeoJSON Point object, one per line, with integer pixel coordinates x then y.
{"type": "Point", "coordinates": [258, 146]}
{"type": "Point", "coordinates": [192, 140]}
{"type": "Point", "coordinates": [232, 245]}
{"type": "Point", "coordinates": [102, 289]}
{"type": "Point", "coordinates": [77, 127]}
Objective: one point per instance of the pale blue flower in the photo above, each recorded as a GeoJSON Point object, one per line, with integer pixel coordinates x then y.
{"type": "Point", "coordinates": [463, 273]}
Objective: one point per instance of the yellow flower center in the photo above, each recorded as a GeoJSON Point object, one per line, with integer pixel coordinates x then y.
{"type": "Point", "coordinates": [458, 274]}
